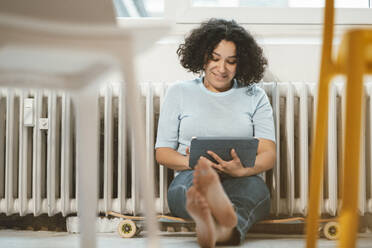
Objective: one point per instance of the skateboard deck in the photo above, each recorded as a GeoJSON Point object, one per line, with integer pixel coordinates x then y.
{"type": "Point", "coordinates": [328, 227]}
{"type": "Point", "coordinates": [131, 226]}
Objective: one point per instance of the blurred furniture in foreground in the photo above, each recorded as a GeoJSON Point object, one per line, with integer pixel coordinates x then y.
{"type": "Point", "coordinates": [74, 45]}
{"type": "Point", "coordinates": [354, 59]}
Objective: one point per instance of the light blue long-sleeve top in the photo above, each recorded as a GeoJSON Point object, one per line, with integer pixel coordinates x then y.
{"type": "Point", "coordinates": [191, 110]}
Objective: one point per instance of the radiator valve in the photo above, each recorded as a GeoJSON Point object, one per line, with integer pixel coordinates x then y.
{"type": "Point", "coordinates": [44, 123]}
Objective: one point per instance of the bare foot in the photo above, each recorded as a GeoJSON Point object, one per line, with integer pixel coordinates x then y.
{"type": "Point", "coordinates": [208, 184]}
{"type": "Point", "coordinates": [198, 208]}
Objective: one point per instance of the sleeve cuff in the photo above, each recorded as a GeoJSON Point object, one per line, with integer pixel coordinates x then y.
{"type": "Point", "coordinates": [172, 145]}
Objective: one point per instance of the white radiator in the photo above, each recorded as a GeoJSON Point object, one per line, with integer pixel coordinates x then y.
{"type": "Point", "coordinates": [38, 167]}
{"type": "Point", "coordinates": [36, 151]}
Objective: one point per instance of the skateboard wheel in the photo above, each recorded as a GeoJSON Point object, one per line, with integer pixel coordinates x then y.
{"type": "Point", "coordinates": [127, 229]}
{"type": "Point", "coordinates": [331, 230]}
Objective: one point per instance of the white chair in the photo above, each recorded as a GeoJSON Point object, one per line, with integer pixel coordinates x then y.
{"type": "Point", "coordinates": [72, 45]}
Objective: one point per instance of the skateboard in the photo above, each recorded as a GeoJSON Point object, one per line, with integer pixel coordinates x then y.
{"type": "Point", "coordinates": [132, 226]}
{"type": "Point", "coordinates": [329, 228]}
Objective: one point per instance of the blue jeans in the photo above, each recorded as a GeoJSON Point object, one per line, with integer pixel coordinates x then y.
{"type": "Point", "coordinates": [249, 195]}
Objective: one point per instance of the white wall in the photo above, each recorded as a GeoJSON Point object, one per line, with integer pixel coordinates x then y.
{"type": "Point", "coordinates": [293, 52]}
{"type": "Point", "coordinates": [287, 62]}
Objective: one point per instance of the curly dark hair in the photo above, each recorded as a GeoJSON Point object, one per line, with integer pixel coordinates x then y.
{"type": "Point", "coordinates": [200, 43]}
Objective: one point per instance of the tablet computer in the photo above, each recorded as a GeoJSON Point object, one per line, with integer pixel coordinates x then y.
{"type": "Point", "coordinates": [246, 148]}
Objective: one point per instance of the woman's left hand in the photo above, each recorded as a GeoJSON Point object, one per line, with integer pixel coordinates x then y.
{"type": "Point", "coordinates": [233, 167]}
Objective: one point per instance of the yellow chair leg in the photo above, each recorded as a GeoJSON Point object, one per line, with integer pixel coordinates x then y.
{"type": "Point", "coordinates": [327, 70]}
{"type": "Point", "coordinates": [351, 157]}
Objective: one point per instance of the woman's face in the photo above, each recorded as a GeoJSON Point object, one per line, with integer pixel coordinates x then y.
{"type": "Point", "coordinates": [221, 68]}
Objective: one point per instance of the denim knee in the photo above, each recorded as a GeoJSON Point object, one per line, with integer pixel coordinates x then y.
{"type": "Point", "coordinates": [177, 194]}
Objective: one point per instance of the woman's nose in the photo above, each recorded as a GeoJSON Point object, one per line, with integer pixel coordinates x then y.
{"type": "Point", "coordinates": [222, 67]}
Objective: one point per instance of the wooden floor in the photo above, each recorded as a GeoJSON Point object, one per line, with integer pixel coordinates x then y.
{"type": "Point", "coordinates": [41, 239]}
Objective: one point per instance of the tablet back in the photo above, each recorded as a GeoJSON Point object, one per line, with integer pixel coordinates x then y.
{"type": "Point", "coordinates": [246, 149]}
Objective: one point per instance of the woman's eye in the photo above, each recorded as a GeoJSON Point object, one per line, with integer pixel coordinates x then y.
{"type": "Point", "coordinates": [232, 62]}
{"type": "Point", "coordinates": [215, 59]}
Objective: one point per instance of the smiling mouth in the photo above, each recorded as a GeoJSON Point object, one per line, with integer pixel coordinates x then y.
{"type": "Point", "coordinates": [220, 76]}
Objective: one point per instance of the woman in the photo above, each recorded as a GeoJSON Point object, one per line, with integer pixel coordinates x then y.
{"type": "Point", "coordinates": [223, 102]}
